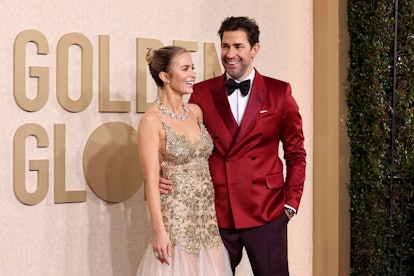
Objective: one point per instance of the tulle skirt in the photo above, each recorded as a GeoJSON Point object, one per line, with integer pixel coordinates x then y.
{"type": "Point", "coordinates": [209, 262]}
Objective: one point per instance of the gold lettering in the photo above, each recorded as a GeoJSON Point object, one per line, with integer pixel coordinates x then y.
{"type": "Point", "coordinates": [61, 195]}
{"type": "Point", "coordinates": [191, 46]}
{"type": "Point", "coordinates": [105, 104]}
{"type": "Point", "coordinates": [41, 73]}
{"type": "Point", "coordinates": [111, 163]}
{"type": "Point", "coordinates": [41, 166]}
{"type": "Point", "coordinates": [212, 67]}
{"type": "Point", "coordinates": [63, 73]}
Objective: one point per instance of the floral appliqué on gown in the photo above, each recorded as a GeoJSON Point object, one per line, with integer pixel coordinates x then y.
{"type": "Point", "coordinates": [188, 212]}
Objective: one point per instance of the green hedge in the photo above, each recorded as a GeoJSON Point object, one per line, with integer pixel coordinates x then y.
{"type": "Point", "coordinates": [381, 131]}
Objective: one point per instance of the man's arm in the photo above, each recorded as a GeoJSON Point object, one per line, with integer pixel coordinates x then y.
{"type": "Point", "coordinates": [294, 151]}
{"type": "Point", "coordinates": [164, 185]}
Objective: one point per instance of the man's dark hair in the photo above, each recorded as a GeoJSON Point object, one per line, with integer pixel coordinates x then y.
{"type": "Point", "coordinates": [249, 25]}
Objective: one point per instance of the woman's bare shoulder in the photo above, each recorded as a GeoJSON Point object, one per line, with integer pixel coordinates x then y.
{"type": "Point", "coordinates": [195, 109]}
{"type": "Point", "coordinates": [151, 117]}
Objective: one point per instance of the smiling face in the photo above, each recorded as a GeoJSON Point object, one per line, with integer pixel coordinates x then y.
{"type": "Point", "coordinates": [237, 54]}
{"type": "Point", "coordinates": [181, 73]}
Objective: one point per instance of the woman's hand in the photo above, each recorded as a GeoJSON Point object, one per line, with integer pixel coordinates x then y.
{"type": "Point", "coordinates": [162, 247]}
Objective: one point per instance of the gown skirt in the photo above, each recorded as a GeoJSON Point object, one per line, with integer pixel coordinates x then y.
{"type": "Point", "coordinates": [209, 262]}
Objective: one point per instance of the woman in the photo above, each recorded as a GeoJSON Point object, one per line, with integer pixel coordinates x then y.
{"type": "Point", "coordinates": [173, 141]}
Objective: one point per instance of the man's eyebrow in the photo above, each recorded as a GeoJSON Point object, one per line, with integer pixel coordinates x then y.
{"type": "Point", "coordinates": [235, 44]}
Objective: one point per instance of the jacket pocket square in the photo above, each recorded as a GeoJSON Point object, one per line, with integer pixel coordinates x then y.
{"type": "Point", "coordinates": [263, 111]}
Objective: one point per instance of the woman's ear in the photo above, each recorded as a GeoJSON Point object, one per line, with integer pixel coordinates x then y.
{"type": "Point", "coordinates": [164, 77]}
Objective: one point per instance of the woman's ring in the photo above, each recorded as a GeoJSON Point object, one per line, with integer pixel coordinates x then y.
{"type": "Point", "coordinates": [156, 255]}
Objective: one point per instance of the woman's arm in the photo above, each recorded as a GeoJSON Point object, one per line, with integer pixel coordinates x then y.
{"type": "Point", "coordinates": [148, 146]}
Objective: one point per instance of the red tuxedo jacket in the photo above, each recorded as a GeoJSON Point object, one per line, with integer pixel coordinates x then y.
{"type": "Point", "coordinates": [247, 172]}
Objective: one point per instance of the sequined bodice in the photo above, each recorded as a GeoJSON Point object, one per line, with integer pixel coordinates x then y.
{"type": "Point", "coordinates": [188, 210]}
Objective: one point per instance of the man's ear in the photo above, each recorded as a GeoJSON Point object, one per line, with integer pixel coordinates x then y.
{"type": "Point", "coordinates": [255, 50]}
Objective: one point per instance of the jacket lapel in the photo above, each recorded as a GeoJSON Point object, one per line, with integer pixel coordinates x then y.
{"type": "Point", "coordinates": [223, 107]}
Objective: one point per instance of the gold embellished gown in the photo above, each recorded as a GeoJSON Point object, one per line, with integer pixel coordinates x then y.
{"type": "Point", "coordinates": [188, 212]}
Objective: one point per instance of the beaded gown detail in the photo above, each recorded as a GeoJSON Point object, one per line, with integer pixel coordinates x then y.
{"type": "Point", "coordinates": [188, 211]}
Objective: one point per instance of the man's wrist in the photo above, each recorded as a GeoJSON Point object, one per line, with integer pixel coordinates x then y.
{"type": "Point", "coordinates": [289, 212]}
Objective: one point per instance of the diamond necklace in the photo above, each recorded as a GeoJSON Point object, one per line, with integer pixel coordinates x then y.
{"type": "Point", "coordinates": [172, 114]}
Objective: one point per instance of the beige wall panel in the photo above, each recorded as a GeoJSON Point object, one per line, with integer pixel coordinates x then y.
{"type": "Point", "coordinates": [91, 236]}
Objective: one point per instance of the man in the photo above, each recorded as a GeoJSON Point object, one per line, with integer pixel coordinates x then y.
{"type": "Point", "coordinates": [253, 200]}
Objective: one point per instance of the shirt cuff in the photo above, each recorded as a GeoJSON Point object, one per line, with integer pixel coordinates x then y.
{"type": "Point", "coordinates": [290, 207]}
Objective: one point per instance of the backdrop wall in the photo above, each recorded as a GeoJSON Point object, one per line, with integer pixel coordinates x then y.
{"type": "Point", "coordinates": [71, 194]}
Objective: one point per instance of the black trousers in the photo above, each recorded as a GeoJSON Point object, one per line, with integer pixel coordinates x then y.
{"type": "Point", "coordinates": [266, 247]}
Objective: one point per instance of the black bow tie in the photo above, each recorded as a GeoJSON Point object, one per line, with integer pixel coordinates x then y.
{"type": "Point", "coordinates": [244, 86]}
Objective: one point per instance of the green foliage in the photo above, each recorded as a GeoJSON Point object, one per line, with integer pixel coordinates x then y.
{"type": "Point", "coordinates": [381, 137]}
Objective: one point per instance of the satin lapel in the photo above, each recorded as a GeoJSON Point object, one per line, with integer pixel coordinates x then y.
{"type": "Point", "coordinates": [223, 107]}
{"type": "Point", "coordinates": [257, 96]}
